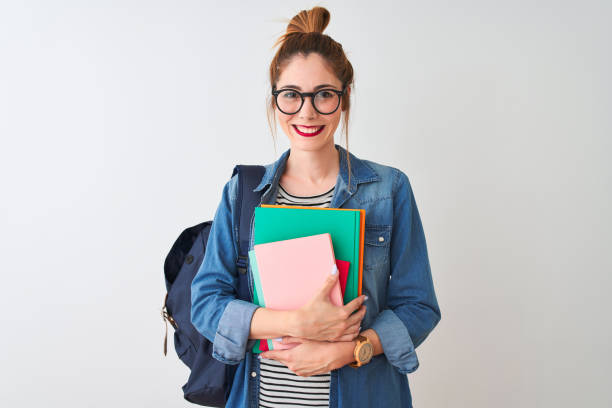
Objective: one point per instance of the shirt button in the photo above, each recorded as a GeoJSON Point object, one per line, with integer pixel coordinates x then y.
{"type": "Point", "coordinates": [189, 259]}
{"type": "Point", "coordinates": [253, 374]}
{"type": "Point", "coordinates": [381, 239]}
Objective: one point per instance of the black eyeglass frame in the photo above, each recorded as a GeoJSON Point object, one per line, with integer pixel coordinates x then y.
{"type": "Point", "coordinates": [312, 96]}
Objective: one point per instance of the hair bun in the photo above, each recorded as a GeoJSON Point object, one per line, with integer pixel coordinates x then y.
{"type": "Point", "coordinates": [309, 21]}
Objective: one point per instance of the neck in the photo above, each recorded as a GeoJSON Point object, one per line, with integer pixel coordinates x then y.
{"type": "Point", "coordinates": [313, 166]}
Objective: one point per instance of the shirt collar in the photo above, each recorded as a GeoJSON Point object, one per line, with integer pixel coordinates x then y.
{"type": "Point", "coordinates": [361, 172]}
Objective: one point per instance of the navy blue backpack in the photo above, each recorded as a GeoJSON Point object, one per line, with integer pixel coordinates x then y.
{"type": "Point", "coordinates": [210, 380]}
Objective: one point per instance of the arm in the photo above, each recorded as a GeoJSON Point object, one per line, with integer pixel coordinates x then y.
{"type": "Point", "coordinates": [229, 322]}
{"type": "Point", "coordinates": [412, 309]}
{"type": "Point", "coordinates": [215, 311]}
{"type": "Point", "coordinates": [316, 357]}
{"type": "Point", "coordinates": [271, 324]}
{"type": "Point", "coordinates": [319, 319]}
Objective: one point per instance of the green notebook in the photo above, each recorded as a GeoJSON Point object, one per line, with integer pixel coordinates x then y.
{"type": "Point", "coordinates": [277, 224]}
{"type": "Point", "coordinates": [258, 297]}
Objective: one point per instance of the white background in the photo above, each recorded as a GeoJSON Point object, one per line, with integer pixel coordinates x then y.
{"type": "Point", "coordinates": [120, 121]}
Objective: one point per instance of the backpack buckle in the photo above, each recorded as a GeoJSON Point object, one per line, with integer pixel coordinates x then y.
{"type": "Point", "coordinates": [241, 263]}
{"type": "Point", "coordinates": [169, 319]}
{"type": "Point", "coordinates": [166, 317]}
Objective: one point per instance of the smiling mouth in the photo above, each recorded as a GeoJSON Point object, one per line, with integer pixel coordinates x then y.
{"type": "Point", "coordinates": [308, 131]}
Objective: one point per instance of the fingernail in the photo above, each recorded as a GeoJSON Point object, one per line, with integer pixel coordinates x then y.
{"type": "Point", "coordinates": [334, 270]}
{"type": "Point", "coordinates": [366, 297]}
{"type": "Point", "coordinates": [278, 339]}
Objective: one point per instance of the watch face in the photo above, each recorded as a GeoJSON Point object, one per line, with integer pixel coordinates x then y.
{"type": "Point", "coordinates": [365, 352]}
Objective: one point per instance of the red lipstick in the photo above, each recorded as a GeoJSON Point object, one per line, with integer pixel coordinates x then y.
{"type": "Point", "coordinates": [308, 134]}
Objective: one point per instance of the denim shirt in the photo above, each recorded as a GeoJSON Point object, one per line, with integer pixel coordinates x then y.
{"type": "Point", "coordinates": [402, 307]}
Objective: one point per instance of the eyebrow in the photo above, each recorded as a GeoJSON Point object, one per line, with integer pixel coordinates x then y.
{"type": "Point", "coordinates": [315, 88]}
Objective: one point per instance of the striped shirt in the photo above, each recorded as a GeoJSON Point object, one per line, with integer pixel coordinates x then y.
{"type": "Point", "coordinates": [321, 200]}
{"type": "Point", "coordinates": [279, 386]}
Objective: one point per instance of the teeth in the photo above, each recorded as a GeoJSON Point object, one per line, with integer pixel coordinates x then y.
{"type": "Point", "coordinates": [308, 130]}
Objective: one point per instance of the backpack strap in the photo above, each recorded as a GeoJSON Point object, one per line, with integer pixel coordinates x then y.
{"type": "Point", "coordinates": [248, 178]}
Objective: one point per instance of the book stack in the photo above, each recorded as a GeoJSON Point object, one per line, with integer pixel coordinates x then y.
{"type": "Point", "coordinates": [296, 248]}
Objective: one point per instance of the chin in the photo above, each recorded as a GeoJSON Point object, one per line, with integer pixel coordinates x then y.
{"type": "Point", "coordinates": [296, 139]}
{"type": "Point", "coordinates": [310, 145]}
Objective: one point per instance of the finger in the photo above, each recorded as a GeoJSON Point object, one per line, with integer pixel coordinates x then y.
{"type": "Point", "coordinates": [355, 318]}
{"type": "Point", "coordinates": [278, 355]}
{"type": "Point", "coordinates": [350, 333]}
{"type": "Point", "coordinates": [354, 329]}
{"type": "Point", "coordinates": [347, 337]}
{"type": "Point", "coordinates": [290, 340]}
{"type": "Point", "coordinates": [328, 285]}
{"type": "Point", "coordinates": [354, 304]}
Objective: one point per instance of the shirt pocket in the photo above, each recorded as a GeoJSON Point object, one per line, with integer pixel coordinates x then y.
{"type": "Point", "coordinates": [377, 242]}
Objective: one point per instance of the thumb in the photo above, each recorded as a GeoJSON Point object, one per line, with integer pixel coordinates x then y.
{"type": "Point", "coordinates": [331, 280]}
{"type": "Point", "coordinates": [272, 354]}
{"type": "Point", "coordinates": [292, 340]}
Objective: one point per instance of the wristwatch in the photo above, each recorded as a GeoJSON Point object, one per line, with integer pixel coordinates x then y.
{"type": "Point", "coordinates": [363, 351]}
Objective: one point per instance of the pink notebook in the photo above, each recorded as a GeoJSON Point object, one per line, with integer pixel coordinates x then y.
{"type": "Point", "coordinates": [343, 268]}
{"type": "Point", "coordinates": [292, 272]}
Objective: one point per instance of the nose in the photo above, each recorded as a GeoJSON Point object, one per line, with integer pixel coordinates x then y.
{"type": "Point", "coordinates": [308, 111]}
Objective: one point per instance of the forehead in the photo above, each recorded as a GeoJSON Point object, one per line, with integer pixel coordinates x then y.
{"type": "Point", "coordinates": [307, 72]}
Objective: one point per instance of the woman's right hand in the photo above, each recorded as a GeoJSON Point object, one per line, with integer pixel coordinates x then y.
{"type": "Point", "coordinates": [321, 320]}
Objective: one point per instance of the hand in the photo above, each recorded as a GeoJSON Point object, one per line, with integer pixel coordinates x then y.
{"type": "Point", "coordinates": [321, 320]}
{"type": "Point", "coordinates": [310, 357]}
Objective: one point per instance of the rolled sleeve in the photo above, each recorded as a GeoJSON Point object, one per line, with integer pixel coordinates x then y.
{"type": "Point", "coordinates": [396, 342]}
{"type": "Point", "coordinates": [411, 310]}
{"type": "Point", "coordinates": [231, 338]}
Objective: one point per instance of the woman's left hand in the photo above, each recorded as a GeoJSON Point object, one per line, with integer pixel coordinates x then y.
{"type": "Point", "coordinates": [312, 357]}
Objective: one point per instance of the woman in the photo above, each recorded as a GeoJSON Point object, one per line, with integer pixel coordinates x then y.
{"type": "Point", "coordinates": [311, 81]}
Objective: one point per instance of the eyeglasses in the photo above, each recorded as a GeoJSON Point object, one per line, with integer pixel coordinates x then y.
{"type": "Point", "coordinates": [325, 101]}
